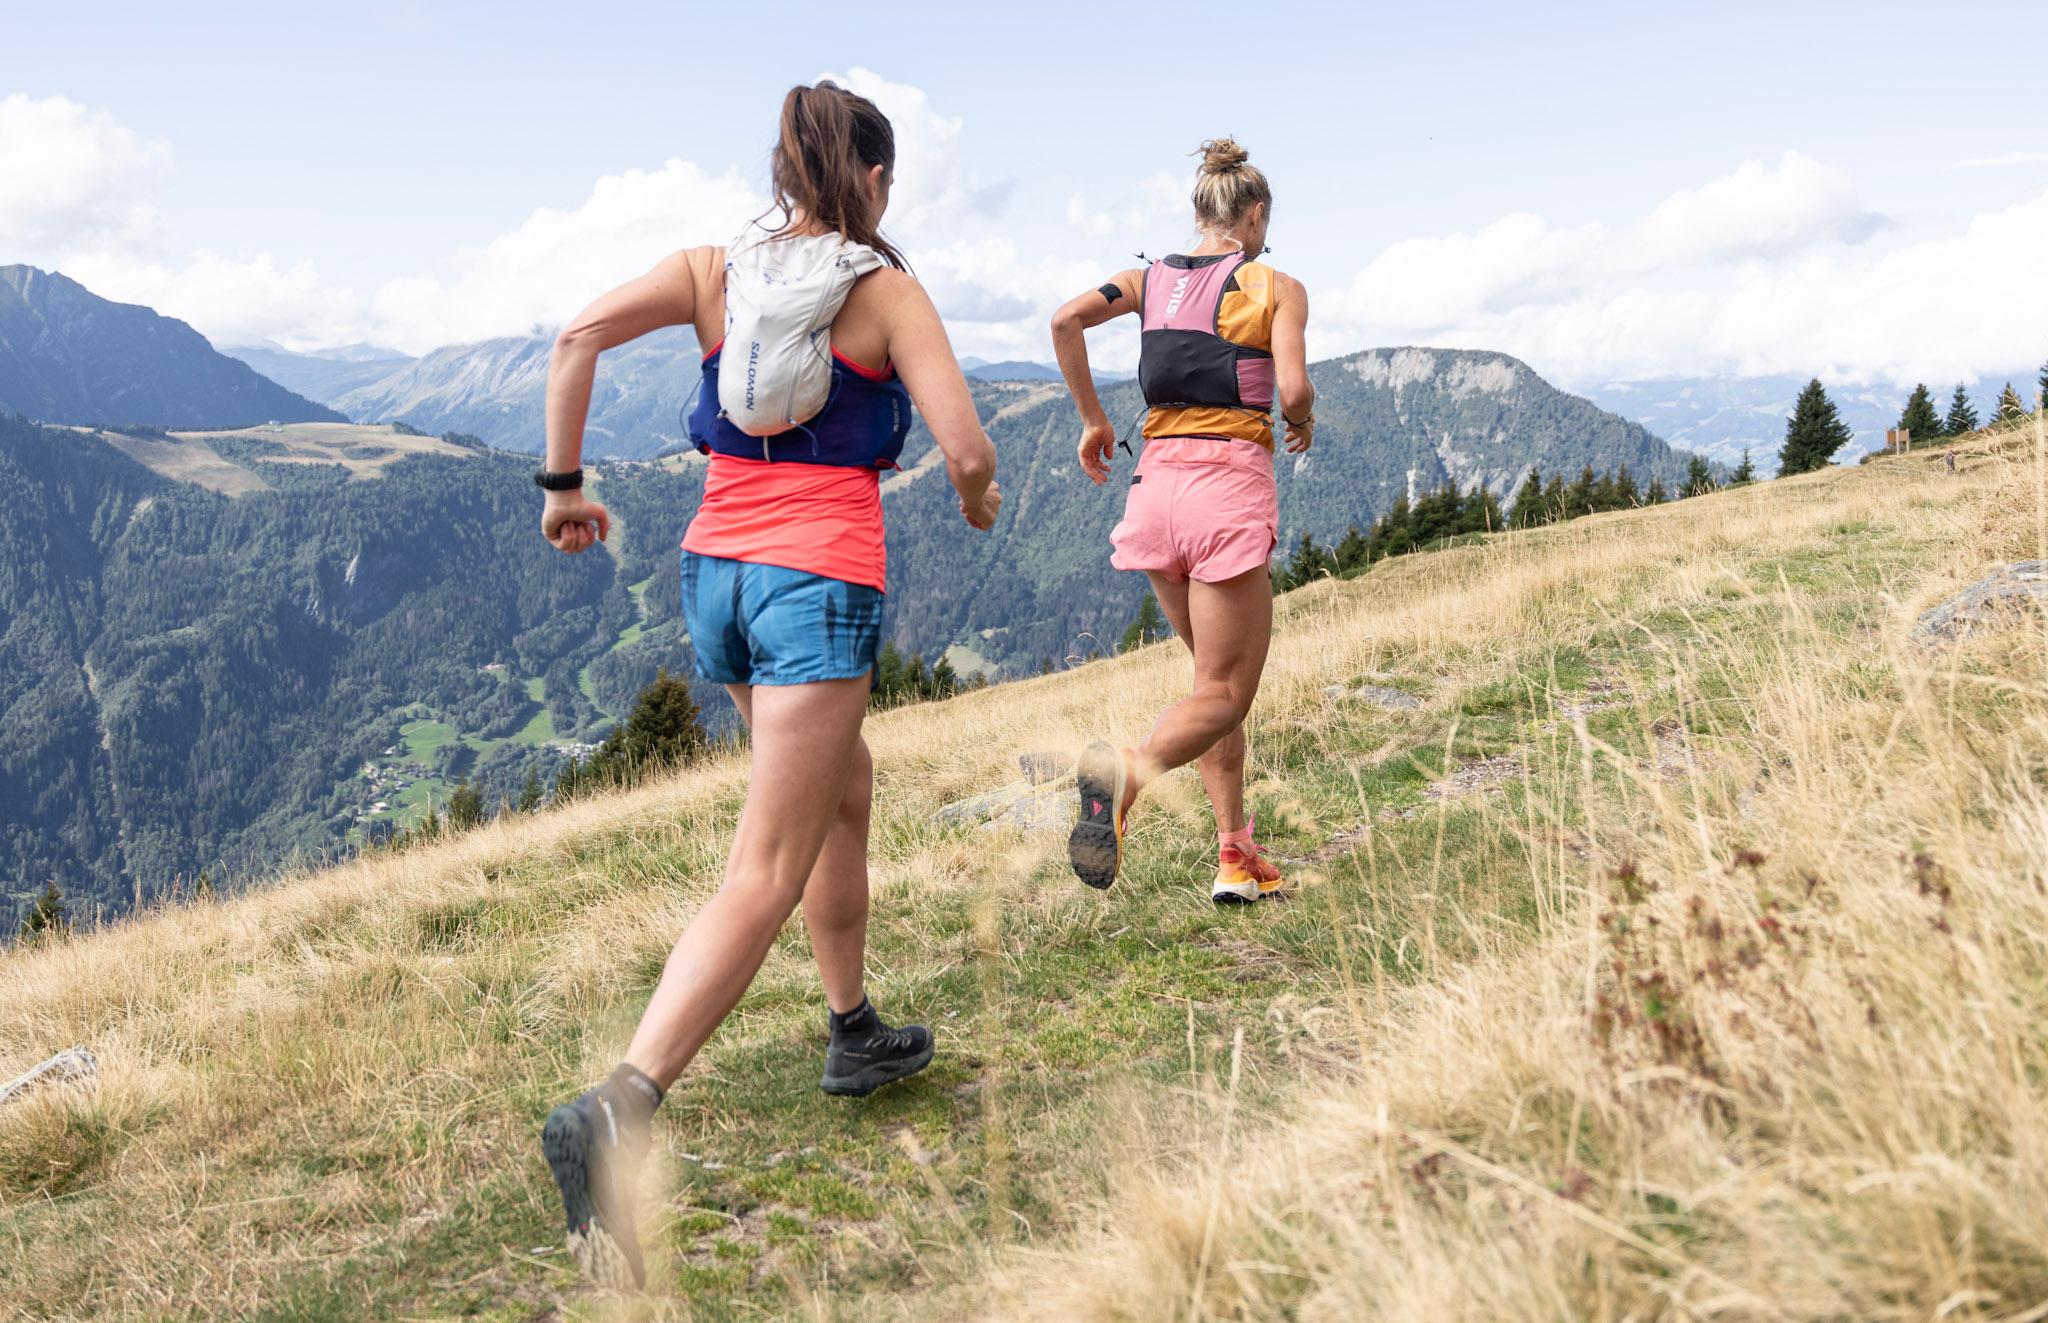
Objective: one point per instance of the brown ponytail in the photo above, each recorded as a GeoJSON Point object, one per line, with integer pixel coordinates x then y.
{"type": "Point", "coordinates": [1228, 184]}
{"type": "Point", "coordinates": [830, 139]}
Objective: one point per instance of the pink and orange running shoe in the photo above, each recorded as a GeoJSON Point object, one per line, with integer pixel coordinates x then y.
{"type": "Point", "coordinates": [1244, 877]}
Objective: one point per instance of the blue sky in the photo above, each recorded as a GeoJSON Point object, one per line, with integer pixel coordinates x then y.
{"type": "Point", "coordinates": [1607, 190]}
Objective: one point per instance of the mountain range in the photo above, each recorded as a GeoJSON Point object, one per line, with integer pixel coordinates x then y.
{"type": "Point", "coordinates": [321, 374]}
{"type": "Point", "coordinates": [1721, 417]}
{"type": "Point", "coordinates": [221, 646]}
{"type": "Point", "coordinates": [69, 356]}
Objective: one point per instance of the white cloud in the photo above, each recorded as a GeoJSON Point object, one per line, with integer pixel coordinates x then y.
{"type": "Point", "coordinates": [1769, 268]}
{"type": "Point", "coordinates": [556, 261]}
{"type": "Point", "coordinates": [1765, 270]}
{"type": "Point", "coordinates": [71, 174]}
{"type": "Point", "coordinates": [231, 301]}
{"type": "Point", "coordinates": [2010, 158]}
{"type": "Point", "coordinates": [997, 301]}
{"type": "Point", "coordinates": [933, 188]}
{"type": "Point", "coordinates": [86, 184]}
{"type": "Point", "coordinates": [1160, 204]}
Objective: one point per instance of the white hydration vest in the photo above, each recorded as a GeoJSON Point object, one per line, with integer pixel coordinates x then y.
{"type": "Point", "coordinates": [781, 294]}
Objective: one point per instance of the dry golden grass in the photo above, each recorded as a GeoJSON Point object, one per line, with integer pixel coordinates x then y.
{"type": "Point", "coordinates": [1783, 1057]}
{"type": "Point", "coordinates": [1577, 1054]}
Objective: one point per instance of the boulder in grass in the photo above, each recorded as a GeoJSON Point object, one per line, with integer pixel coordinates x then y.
{"type": "Point", "coordinates": [1019, 806]}
{"type": "Point", "coordinates": [1042, 768]}
{"type": "Point", "coordinates": [1380, 696]}
{"type": "Point", "coordinates": [2005, 596]}
{"type": "Point", "coordinates": [74, 1065]}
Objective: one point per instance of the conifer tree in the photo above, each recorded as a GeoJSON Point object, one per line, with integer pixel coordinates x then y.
{"type": "Point", "coordinates": [1528, 505]}
{"type": "Point", "coordinates": [1816, 431]}
{"type": "Point", "coordinates": [1309, 563]}
{"type": "Point", "coordinates": [2041, 398]}
{"type": "Point", "coordinates": [1482, 511]}
{"type": "Point", "coordinates": [1390, 532]}
{"type": "Point", "coordinates": [888, 674]}
{"type": "Point", "coordinates": [1353, 552]}
{"type": "Point", "coordinates": [1148, 626]}
{"type": "Point", "coordinates": [1626, 497]}
{"type": "Point", "coordinates": [945, 680]}
{"type": "Point", "coordinates": [1578, 498]}
{"type": "Point", "coordinates": [1962, 415]}
{"type": "Point", "coordinates": [1699, 479]}
{"type": "Point", "coordinates": [663, 729]}
{"type": "Point", "coordinates": [1919, 417]}
{"type": "Point", "coordinates": [529, 793]}
{"type": "Point", "coordinates": [1554, 498]}
{"type": "Point", "coordinates": [1655, 494]}
{"type": "Point", "coordinates": [1605, 494]}
{"type": "Point", "coordinates": [2009, 407]}
{"type": "Point", "coordinates": [1435, 515]}
{"type": "Point", "coordinates": [47, 918]}
{"type": "Point", "coordinates": [465, 806]}
{"type": "Point", "coordinates": [1745, 472]}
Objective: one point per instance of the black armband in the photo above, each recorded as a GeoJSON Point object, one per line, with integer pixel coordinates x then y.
{"type": "Point", "coordinates": [1111, 291]}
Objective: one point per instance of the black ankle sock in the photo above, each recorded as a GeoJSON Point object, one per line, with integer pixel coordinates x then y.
{"type": "Point", "coordinates": [633, 1086]}
{"type": "Point", "coordinates": [860, 1018]}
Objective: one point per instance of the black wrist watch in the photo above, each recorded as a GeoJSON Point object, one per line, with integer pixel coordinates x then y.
{"type": "Point", "coordinates": [559, 482]}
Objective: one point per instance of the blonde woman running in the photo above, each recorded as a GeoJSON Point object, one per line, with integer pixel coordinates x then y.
{"type": "Point", "coordinates": [1223, 337]}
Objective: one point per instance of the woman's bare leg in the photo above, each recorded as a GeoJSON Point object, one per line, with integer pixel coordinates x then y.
{"type": "Point", "coordinates": [806, 746]}
{"type": "Point", "coordinates": [1222, 765]}
{"type": "Point", "coordinates": [1229, 625]}
{"type": "Point", "coordinates": [836, 894]}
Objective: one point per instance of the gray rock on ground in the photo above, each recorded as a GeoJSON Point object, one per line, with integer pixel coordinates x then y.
{"type": "Point", "coordinates": [1019, 806]}
{"type": "Point", "coordinates": [1041, 768]}
{"type": "Point", "coordinates": [2000, 597]}
{"type": "Point", "coordinates": [1380, 696]}
{"type": "Point", "coordinates": [74, 1065]}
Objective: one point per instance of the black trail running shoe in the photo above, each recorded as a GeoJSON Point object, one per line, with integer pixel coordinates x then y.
{"type": "Point", "coordinates": [861, 1060]}
{"type": "Point", "coordinates": [1096, 845]}
{"type": "Point", "coordinates": [595, 1154]}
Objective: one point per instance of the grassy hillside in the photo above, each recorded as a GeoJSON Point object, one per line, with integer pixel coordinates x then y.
{"type": "Point", "coordinates": [1681, 956]}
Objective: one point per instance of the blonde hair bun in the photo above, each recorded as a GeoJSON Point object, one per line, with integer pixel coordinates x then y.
{"type": "Point", "coordinates": [1222, 155]}
{"type": "Point", "coordinates": [1228, 184]}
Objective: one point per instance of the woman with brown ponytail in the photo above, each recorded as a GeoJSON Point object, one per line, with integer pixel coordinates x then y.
{"type": "Point", "coordinates": [783, 574]}
{"type": "Point", "coordinates": [1223, 337]}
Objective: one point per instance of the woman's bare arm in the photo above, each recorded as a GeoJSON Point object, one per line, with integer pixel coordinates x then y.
{"type": "Point", "coordinates": [1070, 347]}
{"type": "Point", "coordinates": [665, 296]}
{"type": "Point", "coordinates": [924, 359]}
{"type": "Point", "coordinates": [1290, 362]}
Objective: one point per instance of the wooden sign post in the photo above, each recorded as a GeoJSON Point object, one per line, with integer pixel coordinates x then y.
{"type": "Point", "coordinates": [1898, 439]}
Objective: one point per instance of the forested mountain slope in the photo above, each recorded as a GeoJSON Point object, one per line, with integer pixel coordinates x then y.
{"type": "Point", "coordinates": [69, 356]}
{"type": "Point", "coordinates": [205, 641]}
{"type": "Point", "coordinates": [289, 638]}
{"type": "Point", "coordinates": [1390, 422]}
{"type": "Point", "coordinates": [495, 389]}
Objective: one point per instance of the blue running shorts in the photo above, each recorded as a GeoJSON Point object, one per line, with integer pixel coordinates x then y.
{"type": "Point", "coordinates": [763, 624]}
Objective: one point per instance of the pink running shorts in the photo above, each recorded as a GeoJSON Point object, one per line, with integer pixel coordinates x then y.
{"type": "Point", "coordinates": [1199, 508]}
